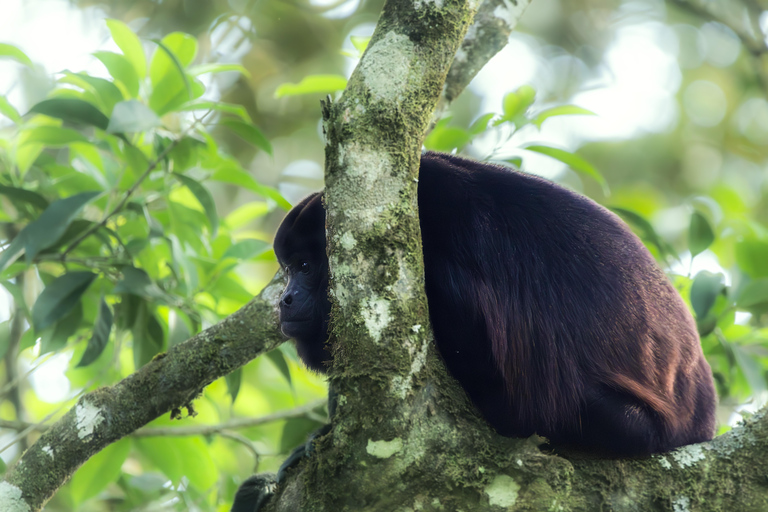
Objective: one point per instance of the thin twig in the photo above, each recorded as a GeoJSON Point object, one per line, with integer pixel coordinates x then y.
{"type": "Point", "coordinates": [175, 142]}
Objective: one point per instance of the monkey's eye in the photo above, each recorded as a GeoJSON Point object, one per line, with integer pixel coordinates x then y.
{"type": "Point", "coordinates": [304, 267]}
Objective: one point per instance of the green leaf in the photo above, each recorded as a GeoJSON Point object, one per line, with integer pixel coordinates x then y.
{"type": "Point", "coordinates": [704, 290]}
{"type": "Point", "coordinates": [754, 294]}
{"type": "Point", "coordinates": [55, 338]}
{"type": "Point", "coordinates": [60, 297]}
{"type": "Point", "coordinates": [51, 136]}
{"type": "Point", "coordinates": [296, 431]}
{"type": "Point", "coordinates": [99, 471]}
{"type": "Point", "coordinates": [227, 108]}
{"type": "Point", "coordinates": [236, 176]}
{"type": "Point", "coordinates": [132, 116]}
{"type": "Point", "coordinates": [563, 110]}
{"type": "Point", "coordinates": [360, 42]}
{"type": "Point", "coordinates": [137, 282]}
{"type": "Point", "coordinates": [204, 197]}
{"type": "Point", "coordinates": [249, 133]}
{"type": "Point", "coordinates": [53, 223]}
{"type": "Point", "coordinates": [278, 359]}
{"type": "Point", "coordinates": [446, 139]}
{"type": "Point", "coordinates": [148, 336]}
{"type": "Point", "coordinates": [178, 457]}
{"type": "Point", "coordinates": [647, 232]}
{"type": "Point", "coordinates": [245, 249]}
{"type": "Point", "coordinates": [752, 257]}
{"type": "Point", "coordinates": [178, 52]}
{"type": "Point", "coordinates": [20, 195]}
{"type": "Point", "coordinates": [516, 103]}
{"type": "Point", "coordinates": [72, 110]}
{"type": "Point", "coordinates": [313, 84]}
{"type": "Point", "coordinates": [13, 251]}
{"type": "Point", "coordinates": [480, 125]}
{"type": "Point", "coordinates": [9, 110]}
{"type": "Point", "coordinates": [108, 93]}
{"type": "Point", "coordinates": [12, 52]}
{"type": "Point", "coordinates": [700, 234]}
{"type": "Point", "coordinates": [121, 70]}
{"type": "Point", "coordinates": [233, 381]}
{"type": "Point", "coordinates": [178, 331]}
{"type": "Point", "coordinates": [572, 160]}
{"type": "Point", "coordinates": [130, 45]}
{"type": "Point", "coordinates": [218, 68]}
{"type": "Point", "coordinates": [101, 329]}
{"type": "Point", "coordinates": [5, 337]}
{"type": "Point", "coordinates": [752, 369]}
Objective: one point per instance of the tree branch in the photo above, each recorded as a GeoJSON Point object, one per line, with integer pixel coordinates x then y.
{"type": "Point", "coordinates": [170, 381]}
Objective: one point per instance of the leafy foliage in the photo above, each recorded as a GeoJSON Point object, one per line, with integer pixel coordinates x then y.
{"type": "Point", "coordinates": [108, 191]}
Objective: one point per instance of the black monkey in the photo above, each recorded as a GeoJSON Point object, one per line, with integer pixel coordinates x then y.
{"type": "Point", "coordinates": [547, 309]}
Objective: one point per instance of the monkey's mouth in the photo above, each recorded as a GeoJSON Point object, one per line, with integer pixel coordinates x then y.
{"type": "Point", "coordinates": [293, 328]}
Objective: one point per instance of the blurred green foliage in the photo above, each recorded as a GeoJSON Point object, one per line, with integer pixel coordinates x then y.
{"type": "Point", "coordinates": [137, 205]}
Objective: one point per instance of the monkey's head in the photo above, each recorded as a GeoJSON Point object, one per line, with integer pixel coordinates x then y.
{"type": "Point", "coordinates": [304, 306]}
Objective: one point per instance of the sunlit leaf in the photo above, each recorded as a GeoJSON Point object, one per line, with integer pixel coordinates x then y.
{"type": "Point", "coordinates": [53, 223]}
{"type": "Point", "coordinates": [99, 471]}
{"type": "Point", "coordinates": [752, 369]}
{"type": "Point", "coordinates": [11, 52]}
{"type": "Point", "coordinates": [219, 68]}
{"type": "Point", "coordinates": [107, 92]}
{"type": "Point", "coordinates": [245, 249]}
{"type": "Point", "coordinates": [480, 125]}
{"type": "Point", "coordinates": [5, 337]}
{"type": "Point", "coordinates": [752, 256]}
{"type": "Point", "coordinates": [235, 176]}
{"type": "Point", "coordinates": [181, 456]}
{"type": "Point", "coordinates": [121, 70]}
{"type": "Point", "coordinates": [313, 84]}
{"type": "Point", "coordinates": [13, 251]}
{"type": "Point", "coordinates": [446, 139]}
{"type": "Point", "coordinates": [130, 45]}
{"type": "Point", "coordinates": [563, 110]}
{"type": "Point", "coordinates": [60, 297]}
{"type": "Point", "coordinates": [700, 234]}
{"type": "Point", "coordinates": [9, 110]}
{"type": "Point", "coordinates": [51, 136]}
{"type": "Point", "coordinates": [132, 116]}
{"type": "Point", "coordinates": [204, 197]}
{"type": "Point", "coordinates": [73, 111]}
{"type": "Point", "coordinates": [572, 160]}
{"type": "Point", "coordinates": [101, 329]}
{"type": "Point", "coordinates": [178, 331]}
{"type": "Point", "coordinates": [249, 133]}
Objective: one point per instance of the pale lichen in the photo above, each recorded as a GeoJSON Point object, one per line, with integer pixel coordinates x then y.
{"type": "Point", "coordinates": [384, 449]}
{"type": "Point", "coordinates": [87, 418]}
{"type": "Point", "coordinates": [11, 500]}
{"type": "Point", "coordinates": [502, 491]}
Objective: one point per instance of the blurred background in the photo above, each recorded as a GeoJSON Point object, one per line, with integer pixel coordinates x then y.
{"type": "Point", "coordinates": [679, 138]}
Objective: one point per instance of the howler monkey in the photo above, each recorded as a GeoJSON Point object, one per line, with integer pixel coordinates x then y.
{"type": "Point", "coordinates": [546, 308]}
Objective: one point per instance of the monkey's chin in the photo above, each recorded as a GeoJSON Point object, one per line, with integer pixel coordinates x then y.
{"type": "Point", "coordinates": [295, 328]}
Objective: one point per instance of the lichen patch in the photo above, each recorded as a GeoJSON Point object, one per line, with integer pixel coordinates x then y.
{"type": "Point", "coordinates": [387, 67]}
{"type": "Point", "coordinates": [87, 418]}
{"type": "Point", "coordinates": [10, 499]}
{"type": "Point", "coordinates": [511, 11]}
{"type": "Point", "coordinates": [384, 449]}
{"type": "Point", "coordinates": [689, 455]}
{"type": "Point", "coordinates": [502, 491]}
{"type": "Point", "coordinates": [376, 316]}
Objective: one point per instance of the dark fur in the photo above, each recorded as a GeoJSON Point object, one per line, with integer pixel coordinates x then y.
{"type": "Point", "coordinates": [547, 309]}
